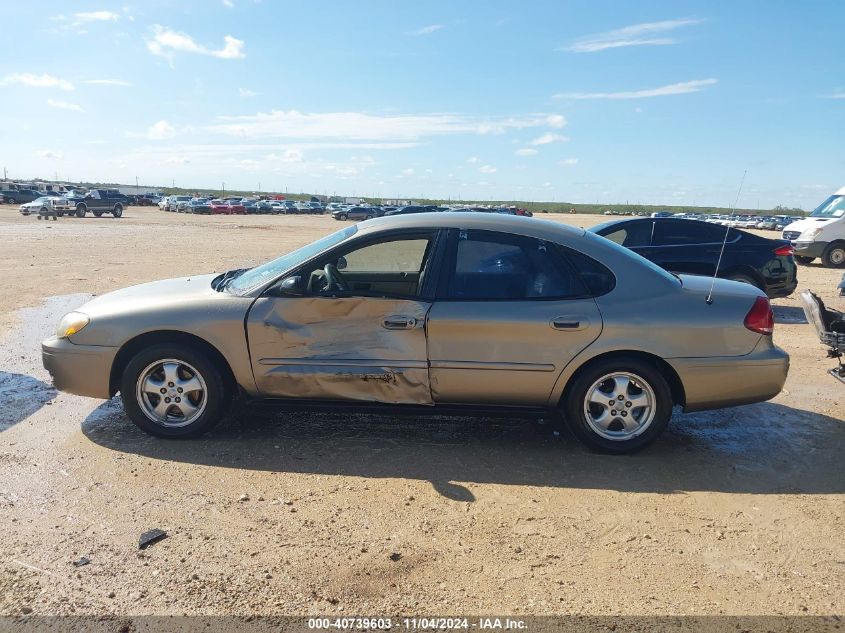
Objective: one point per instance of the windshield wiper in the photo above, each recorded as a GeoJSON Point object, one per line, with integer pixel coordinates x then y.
{"type": "Point", "coordinates": [225, 279]}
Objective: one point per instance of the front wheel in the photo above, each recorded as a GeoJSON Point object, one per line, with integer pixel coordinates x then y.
{"type": "Point", "coordinates": [618, 405]}
{"type": "Point", "coordinates": [834, 255]}
{"type": "Point", "coordinates": [173, 391]}
{"type": "Point", "coordinates": [342, 216]}
{"type": "Point", "coordinates": [801, 259]}
{"type": "Point", "coordinates": [80, 211]}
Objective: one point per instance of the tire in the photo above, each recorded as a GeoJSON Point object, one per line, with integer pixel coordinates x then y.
{"type": "Point", "coordinates": [369, 217]}
{"type": "Point", "coordinates": [342, 216]}
{"type": "Point", "coordinates": [187, 366]}
{"type": "Point", "coordinates": [81, 210]}
{"type": "Point", "coordinates": [801, 259]}
{"type": "Point", "coordinates": [11, 200]}
{"type": "Point", "coordinates": [61, 214]}
{"type": "Point", "coordinates": [97, 214]}
{"type": "Point", "coordinates": [117, 211]}
{"type": "Point", "coordinates": [834, 255]}
{"type": "Point", "coordinates": [606, 377]}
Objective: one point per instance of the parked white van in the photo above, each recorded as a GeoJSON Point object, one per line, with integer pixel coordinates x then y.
{"type": "Point", "coordinates": [821, 234]}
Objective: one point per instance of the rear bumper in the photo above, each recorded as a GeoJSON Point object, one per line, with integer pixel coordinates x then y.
{"type": "Point", "coordinates": [713, 383]}
{"type": "Point", "coordinates": [80, 369]}
{"type": "Point", "coordinates": [809, 249]}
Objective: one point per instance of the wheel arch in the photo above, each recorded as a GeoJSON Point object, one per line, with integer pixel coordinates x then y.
{"type": "Point", "coordinates": [676, 386]}
{"type": "Point", "coordinates": [134, 345]}
{"type": "Point", "coordinates": [746, 270]}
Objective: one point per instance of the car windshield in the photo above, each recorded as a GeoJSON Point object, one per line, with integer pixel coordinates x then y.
{"type": "Point", "coordinates": [272, 269]}
{"type": "Point", "coordinates": [833, 207]}
{"type": "Point", "coordinates": [42, 199]}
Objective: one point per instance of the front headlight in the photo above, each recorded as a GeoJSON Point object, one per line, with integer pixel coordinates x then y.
{"type": "Point", "coordinates": [809, 234]}
{"type": "Point", "coordinates": [72, 323]}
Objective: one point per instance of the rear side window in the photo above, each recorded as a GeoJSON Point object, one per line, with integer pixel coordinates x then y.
{"type": "Point", "coordinates": [596, 277]}
{"type": "Point", "coordinates": [681, 232]}
{"type": "Point", "coordinates": [631, 234]}
{"type": "Point", "coordinates": [496, 266]}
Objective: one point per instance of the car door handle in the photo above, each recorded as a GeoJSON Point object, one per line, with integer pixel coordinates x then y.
{"type": "Point", "coordinates": [399, 323]}
{"type": "Point", "coordinates": [569, 323]}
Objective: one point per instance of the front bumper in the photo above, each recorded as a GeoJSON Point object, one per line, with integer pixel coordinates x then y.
{"type": "Point", "coordinates": [713, 383]}
{"type": "Point", "coordinates": [84, 370]}
{"type": "Point", "coordinates": [809, 249]}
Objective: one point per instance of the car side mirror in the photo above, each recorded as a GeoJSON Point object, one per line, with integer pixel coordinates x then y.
{"type": "Point", "coordinates": [291, 287]}
{"type": "Point", "coordinates": [341, 263]}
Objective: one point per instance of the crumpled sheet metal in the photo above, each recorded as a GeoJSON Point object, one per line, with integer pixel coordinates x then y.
{"type": "Point", "coordinates": [337, 348]}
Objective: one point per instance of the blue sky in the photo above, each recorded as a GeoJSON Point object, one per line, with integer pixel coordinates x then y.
{"type": "Point", "coordinates": [650, 102]}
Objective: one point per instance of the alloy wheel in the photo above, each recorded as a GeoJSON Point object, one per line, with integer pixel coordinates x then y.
{"type": "Point", "coordinates": [171, 392]}
{"type": "Point", "coordinates": [619, 406]}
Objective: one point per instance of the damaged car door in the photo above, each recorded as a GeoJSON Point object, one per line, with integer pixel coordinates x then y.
{"type": "Point", "coordinates": [349, 325]}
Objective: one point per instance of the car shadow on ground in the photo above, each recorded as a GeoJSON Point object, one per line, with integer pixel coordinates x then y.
{"type": "Point", "coordinates": [20, 397]}
{"type": "Point", "coordinates": [763, 449]}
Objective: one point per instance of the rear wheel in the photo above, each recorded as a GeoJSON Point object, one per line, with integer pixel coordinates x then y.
{"type": "Point", "coordinates": [743, 278]}
{"type": "Point", "coordinates": [618, 405]}
{"type": "Point", "coordinates": [117, 211]}
{"type": "Point", "coordinates": [174, 391]}
{"type": "Point", "coordinates": [834, 255]}
{"type": "Point", "coordinates": [801, 259]}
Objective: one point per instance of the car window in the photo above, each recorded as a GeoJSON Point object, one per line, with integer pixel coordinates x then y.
{"type": "Point", "coordinates": [496, 266]}
{"type": "Point", "coordinates": [682, 232]}
{"type": "Point", "coordinates": [630, 234]}
{"type": "Point", "coordinates": [393, 256]}
{"type": "Point", "coordinates": [597, 278]}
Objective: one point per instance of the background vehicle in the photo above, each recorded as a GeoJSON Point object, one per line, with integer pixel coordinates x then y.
{"type": "Point", "coordinates": [821, 234]}
{"type": "Point", "coordinates": [411, 209]}
{"type": "Point", "coordinates": [402, 311]}
{"type": "Point", "coordinates": [236, 207]}
{"type": "Point", "coordinates": [42, 205]}
{"type": "Point", "coordinates": [219, 207]}
{"type": "Point", "coordinates": [98, 201]}
{"type": "Point", "coordinates": [173, 203]}
{"type": "Point", "coordinates": [691, 246]}
{"type": "Point", "coordinates": [13, 196]}
{"type": "Point", "coordinates": [199, 205]}
{"type": "Point", "coordinates": [355, 213]}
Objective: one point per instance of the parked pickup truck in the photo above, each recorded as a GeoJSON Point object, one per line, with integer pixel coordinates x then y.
{"type": "Point", "coordinates": [14, 196]}
{"type": "Point", "coordinates": [97, 201]}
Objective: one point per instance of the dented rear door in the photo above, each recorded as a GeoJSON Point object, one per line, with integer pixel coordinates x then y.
{"type": "Point", "coordinates": [340, 348]}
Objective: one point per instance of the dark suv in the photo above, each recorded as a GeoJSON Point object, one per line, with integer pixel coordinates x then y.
{"type": "Point", "coordinates": [14, 196]}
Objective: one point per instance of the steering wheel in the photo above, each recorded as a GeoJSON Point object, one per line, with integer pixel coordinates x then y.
{"type": "Point", "coordinates": [334, 278]}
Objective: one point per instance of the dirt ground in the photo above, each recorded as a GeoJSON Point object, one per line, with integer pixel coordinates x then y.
{"type": "Point", "coordinates": [738, 511]}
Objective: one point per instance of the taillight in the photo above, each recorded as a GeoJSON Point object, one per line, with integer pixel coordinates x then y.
{"type": "Point", "coordinates": [785, 250]}
{"type": "Point", "coordinates": [760, 318]}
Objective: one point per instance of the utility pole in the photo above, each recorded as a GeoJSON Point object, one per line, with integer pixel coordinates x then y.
{"type": "Point", "coordinates": [136, 185]}
{"type": "Point", "coordinates": [4, 173]}
{"type": "Point", "coordinates": [224, 188]}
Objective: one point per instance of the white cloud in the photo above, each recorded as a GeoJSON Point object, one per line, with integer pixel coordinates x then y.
{"type": "Point", "coordinates": [473, 159]}
{"type": "Point", "coordinates": [547, 138]}
{"type": "Point", "coordinates": [566, 162]}
{"type": "Point", "coordinates": [160, 131]}
{"type": "Point", "coordinates": [683, 87]}
{"type": "Point", "coordinates": [362, 126]}
{"type": "Point", "coordinates": [96, 16]}
{"type": "Point", "coordinates": [50, 154]}
{"type": "Point", "coordinates": [108, 82]}
{"type": "Point", "coordinates": [64, 105]}
{"type": "Point", "coordinates": [526, 151]}
{"type": "Point", "coordinates": [408, 172]}
{"type": "Point", "coordinates": [836, 95]}
{"type": "Point", "coordinates": [288, 156]}
{"type": "Point", "coordinates": [36, 81]}
{"type": "Point", "coordinates": [634, 35]}
{"type": "Point", "coordinates": [229, 4]}
{"type": "Point", "coordinates": [177, 160]}
{"type": "Point", "coordinates": [167, 42]}
{"type": "Point", "coordinates": [556, 120]}
{"type": "Point", "coordinates": [245, 92]}
{"type": "Point", "coordinates": [487, 169]}
{"type": "Point", "coordinates": [427, 30]}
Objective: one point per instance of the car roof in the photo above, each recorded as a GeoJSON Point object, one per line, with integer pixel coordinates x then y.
{"type": "Point", "coordinates": [517, 224]}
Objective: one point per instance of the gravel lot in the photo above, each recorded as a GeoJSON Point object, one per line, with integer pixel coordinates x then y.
{"type": "Point", "coordinates": [738, 511]}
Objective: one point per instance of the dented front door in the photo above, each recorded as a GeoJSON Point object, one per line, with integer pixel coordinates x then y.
{"type": "Point", "coordinates": [340, 348]}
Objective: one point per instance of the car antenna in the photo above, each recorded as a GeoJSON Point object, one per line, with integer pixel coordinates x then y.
{"type": "Point", "coordinates": [709, 299]}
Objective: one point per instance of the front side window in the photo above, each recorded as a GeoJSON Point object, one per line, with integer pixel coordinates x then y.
{"type": "Point", "coordinates": [684, 232]}
{"type": "Point", "coordinates": [391, 267]}
{"type": "Point", "coordinates": [497, 266]}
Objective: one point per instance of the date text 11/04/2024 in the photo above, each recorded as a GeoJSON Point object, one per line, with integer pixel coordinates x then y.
{"type": "Point", "coordinates": [433, 623]}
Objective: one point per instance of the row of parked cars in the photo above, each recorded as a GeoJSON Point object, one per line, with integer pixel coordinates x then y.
{"type": "Point", "coordinates": [236, 205]}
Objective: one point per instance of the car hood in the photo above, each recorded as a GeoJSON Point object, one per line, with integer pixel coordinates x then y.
{"type": "Point", "coordinates": [809, 223]}
{"type": "Point", "coordinates": [152, 296]}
